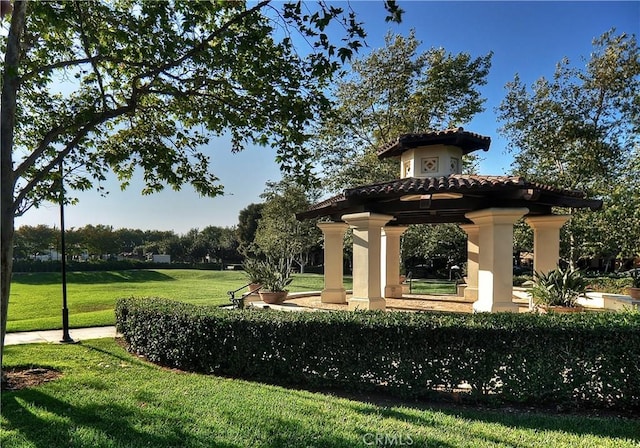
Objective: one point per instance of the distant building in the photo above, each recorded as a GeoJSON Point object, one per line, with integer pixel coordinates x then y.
{"type": "Point", "coordinates": [161, 258]}
{"type": "Point", "coordinates": [52, 255]}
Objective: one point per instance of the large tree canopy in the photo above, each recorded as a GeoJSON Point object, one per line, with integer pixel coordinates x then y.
{"type": "Point", "coordinates": [394, 90]}
{"type": "Point", "coordinates": [581, 130]}
{"type": "Point", "coordinates": [135, 85]}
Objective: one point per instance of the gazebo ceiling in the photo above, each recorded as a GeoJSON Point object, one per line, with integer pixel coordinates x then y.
{"type": "Point", "coordinates": [447, 199]}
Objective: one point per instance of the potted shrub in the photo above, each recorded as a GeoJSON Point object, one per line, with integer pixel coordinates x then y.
{"type": "Point", "coordinates": [254, 269]}
{"type": "Point", "coordinates": [558, 290]}
{"type": "Point", "coordinates": [634, 289]}
{"type": "Point", "coordinates": [276, 277]}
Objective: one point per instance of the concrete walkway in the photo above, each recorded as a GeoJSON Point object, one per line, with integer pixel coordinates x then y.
{"type": "Point", "coordinates": [54, 336]}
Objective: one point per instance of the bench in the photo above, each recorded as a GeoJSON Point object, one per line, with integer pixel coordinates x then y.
{"type": "Point", "coordinates": [238, 302]}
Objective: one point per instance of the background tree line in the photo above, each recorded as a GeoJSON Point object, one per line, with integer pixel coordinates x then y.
{"type": "Point", "coordinates": [211, 244]}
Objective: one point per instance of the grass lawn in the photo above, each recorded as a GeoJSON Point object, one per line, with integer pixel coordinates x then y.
{"type": "Point", "coordinates": [433, 287]}
{"type": "Point", "coordinates": [36, 298]}
{"type": "Point", "coordinates": [109, 398]}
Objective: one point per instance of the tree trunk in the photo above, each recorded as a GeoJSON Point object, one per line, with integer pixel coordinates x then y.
{"type": "Point", "coordinates": [572, 251]}
{"type": "Point", "coordinates": [10, 83]}
{"type": "Point", "coordinates": [6, 268]}
{"type": "Point", "coordinates": [572, 243]}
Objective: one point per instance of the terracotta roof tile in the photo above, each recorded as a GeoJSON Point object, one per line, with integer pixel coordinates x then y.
{"type": "Point", "coordinates": [468, 141]}
{"type": "Point", "coordinates": [328, 202]}
{"type": "Point", "coordinates": [456, 183]}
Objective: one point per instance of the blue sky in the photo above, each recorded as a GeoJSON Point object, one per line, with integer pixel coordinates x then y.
{"type": "Point", "coordinates": [527, 38]}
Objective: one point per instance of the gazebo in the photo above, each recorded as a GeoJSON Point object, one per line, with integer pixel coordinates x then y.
{"type": "Point", "coordinates": [431, 189]}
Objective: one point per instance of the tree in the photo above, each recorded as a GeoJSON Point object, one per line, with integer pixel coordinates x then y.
{"type": "Point", "coordinates": [145, 83]}
{"type": "Point", "coordinates": [99, 240]}
{"type": "Point", "coordinates": [34, 240]}
{"type": "Point", "coordinates": [614, 232]}
{"type": "Point", "coordinates": [435, 242]}
{"type": "Point", "coordinates": [391, 91]}
{"type": "Point", "coordinates": [247, 226]}
{"type": "Point", "coordinates": [129, 239]}
{"type": "Point", "coordinates": [279, 233]}
{"type": "Point", "coordinates": [578, 131]}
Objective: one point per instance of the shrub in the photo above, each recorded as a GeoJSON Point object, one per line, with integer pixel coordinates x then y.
{"type": "Point", "coordinates": [586, 360]}
{"type": "Point", "coordinates": [558, 287]}
{"type": "Point", "coordinates": [519, 280]}
{"type": "Point", "coordinates": [613, 285]}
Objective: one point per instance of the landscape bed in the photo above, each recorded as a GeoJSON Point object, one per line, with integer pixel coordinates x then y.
{"type": "Point", "coordinates": [586, 361]}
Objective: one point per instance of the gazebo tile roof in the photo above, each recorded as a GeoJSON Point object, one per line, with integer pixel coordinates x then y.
{"type": "Point", "coordinates": [467, 141]}
{"type": "Point", "coordinates": [455, 183]}
{"type": "Point", "coordinates": [328, 202]}
{"type": "Point", "coordinates": [477, 192]}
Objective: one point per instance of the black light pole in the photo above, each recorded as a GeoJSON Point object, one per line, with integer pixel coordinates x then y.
{"type": "Point", "coordinates": [66, 338]}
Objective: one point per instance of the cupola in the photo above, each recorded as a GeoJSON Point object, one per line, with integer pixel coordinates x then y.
{"type": "Point", "coordinates": [433, 154]}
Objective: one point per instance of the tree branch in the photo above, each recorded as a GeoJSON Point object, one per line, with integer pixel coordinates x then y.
{"type": "Point", "coordinates": [85, 44]}
{"type": "Point", "coordinates": [80, 134]}
{"type": "Point", "coordinates": [203, 44]}
{"type": "Point", "coordinates": [62, 64]}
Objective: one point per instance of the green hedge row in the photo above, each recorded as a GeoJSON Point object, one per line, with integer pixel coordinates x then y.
{"type": "Point", "coordinates": [610, 285]}
{"type": "Point", "coordinates": [105, 265]}
{"type": "Point", "coordinates": [576, 360]}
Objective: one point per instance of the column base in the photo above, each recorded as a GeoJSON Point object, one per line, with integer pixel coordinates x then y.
{"type": "Point", "coordinates": [488, 307]}
{"type": "Point", "coordinates": [367, 304]}
{"type": "Point", "coordinates": [471, 293]}
{"type": "Point", "coordinates": [393, 291]}
{"type": "Point", "coordinates": [333, 296]}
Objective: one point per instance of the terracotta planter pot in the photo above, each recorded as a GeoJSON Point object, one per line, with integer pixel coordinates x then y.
{"type": "Point", "coordinates": [634, 293]}
{"type": "Point", "coordinates": [273, 298]}
{"type": "Point", "coordinates": [253, 287]}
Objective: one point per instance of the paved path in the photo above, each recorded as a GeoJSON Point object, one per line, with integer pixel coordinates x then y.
{"type": "Point", "coordinates": [54, 336]}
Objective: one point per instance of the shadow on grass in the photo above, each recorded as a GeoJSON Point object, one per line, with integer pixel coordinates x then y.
{"type": "Point", "coordinates": [581, 423]}
{"type": "Point", "coordinates": [89, 277]}
{"type": "Point", "coordinates": [538, 419]}
{"type": "Point", "coordinates": [46, 421]}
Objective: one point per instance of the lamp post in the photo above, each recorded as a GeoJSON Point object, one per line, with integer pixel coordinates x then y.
{"type": "Point", "coordinates": [66, 338]}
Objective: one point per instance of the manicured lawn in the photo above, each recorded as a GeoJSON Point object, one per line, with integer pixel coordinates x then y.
{"type": "Point", "coordinates": [433, 287]}
{"type": "Point", "coordinates": [36, 298]}
{"type": "Point", "coordinates": [108, 398]}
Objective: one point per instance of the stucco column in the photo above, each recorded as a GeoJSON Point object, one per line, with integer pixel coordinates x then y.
{"type": "Point", "coordinates": [391, 261]}
{"type": "Point", "coordinates": [546, 241]}
{"type": "Point", "coordinates": [473, 254]}
{"type": "Point", "coordinates": [495, 260]}
{"type": "Point", "coordinates": [367, 231]}
{"type": "Point", "coordinates": [333, 291]}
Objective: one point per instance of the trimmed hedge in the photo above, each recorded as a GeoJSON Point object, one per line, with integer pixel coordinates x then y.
{"type": "Point", "coordinates": [610, 284]}
{"type": "Point", "coordinates": [106, 265]}
{"type": "Point", "coordinates": [573, 360]}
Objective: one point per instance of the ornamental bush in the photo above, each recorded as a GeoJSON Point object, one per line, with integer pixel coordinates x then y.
{"type": "Point", "coordinates": [574, 360]}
